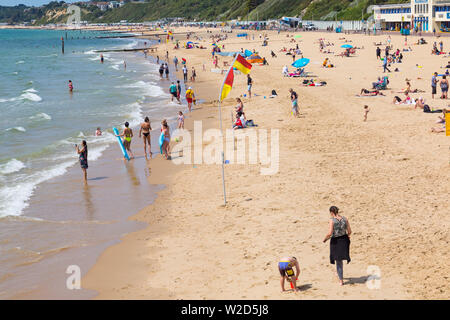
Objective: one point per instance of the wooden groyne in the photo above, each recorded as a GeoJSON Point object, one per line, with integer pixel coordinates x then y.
{"type": "Point", "coordinates": [151, 49]}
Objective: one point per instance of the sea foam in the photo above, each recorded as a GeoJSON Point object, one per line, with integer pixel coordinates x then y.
{"type": "Point", "coordinates": [11, 166]}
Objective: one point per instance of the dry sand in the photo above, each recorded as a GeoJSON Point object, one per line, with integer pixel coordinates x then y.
{"type": "Point", "coordinates": [389, 176]}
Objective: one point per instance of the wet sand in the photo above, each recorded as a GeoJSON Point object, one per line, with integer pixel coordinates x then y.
{"type": "Point", "coordinates": [68, 223]}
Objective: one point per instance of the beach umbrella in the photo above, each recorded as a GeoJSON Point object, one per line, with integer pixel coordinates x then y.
{"type": "Point", "coordinates": [347, 46]}
{"type": "Point", "coordinates": [301, 62]}
{"type": "Point", "coordinates": [247, 53]}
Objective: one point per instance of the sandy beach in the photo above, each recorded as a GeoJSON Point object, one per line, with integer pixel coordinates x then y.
{"type": "Point", "coordinates": [389, 176]}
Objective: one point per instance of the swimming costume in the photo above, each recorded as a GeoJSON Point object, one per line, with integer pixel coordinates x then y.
{"type": "Point", "coordinates": [128, 139]}
{"type": "Point", "coordinates": [145, 134]}
{"type": "Point", "coordinates": [285, 269]}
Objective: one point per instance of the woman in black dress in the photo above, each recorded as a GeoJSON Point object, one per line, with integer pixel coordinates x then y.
{"type": "Point", "coordinates": [339, 231]}
{"type": "Point", "coordinates": [83, 155]}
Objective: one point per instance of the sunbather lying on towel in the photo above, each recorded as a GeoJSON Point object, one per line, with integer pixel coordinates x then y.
{"type": "Point", "coordinates": [407, 100]}
{"type": "Point", "coordinates": [311, 83]}
{"type": "Point", "coordinates": [409, 90]}
{"type": "Point", "coordinates": [298, 73]}
{"type": "Point", "coordinates": [440, 121]}
{"type": "Point", "coordinates": [369, 93]}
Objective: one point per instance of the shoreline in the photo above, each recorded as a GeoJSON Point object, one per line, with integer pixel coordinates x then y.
{"type": "Point", "coordinates": [195, 248]}
{"type": "Point", "coordinates": [165, 174]}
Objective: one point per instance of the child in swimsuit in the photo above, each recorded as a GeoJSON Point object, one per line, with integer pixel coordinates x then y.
{"type": "Point", "coordinates": [285, 267]}
{"type": "Point", "coordinates": [180, 120]}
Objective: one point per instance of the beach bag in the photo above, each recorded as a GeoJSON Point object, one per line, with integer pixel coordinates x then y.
{"type": "Point", "coordinates": [274, 93]}
{"type": "Point", "coordinates": [250, 123]}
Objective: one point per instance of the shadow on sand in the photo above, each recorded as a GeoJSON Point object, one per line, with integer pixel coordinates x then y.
{"type": "Point", "coordinates": [304, 287]}
{"type": "Point", "coordinates": [360, 280]}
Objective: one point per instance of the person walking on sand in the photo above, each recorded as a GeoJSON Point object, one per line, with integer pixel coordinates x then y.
{"type": "Point", "coordinates": [193, 74]}
{"type": "Point", "coordinates": [175, 62]}
{"type": "Point", "coordinates": [366, 111]}
{"type": "Point", "coordinates": [378, 53]}
{"type": "Point", "coordinates": [83, 157]}
{"type": "Point", "coordinates": [339, 231]}
{"type": "Point", "coordinates": [185, 73]}
{"type": "Point", "coordinates": [249, 86]}
{"type": "Point", "coordinates": [434, 82]}
{"type": "Point", "coordinates": [294, 100]}
{"type": "Point", "coordinates": [285, 267]}
{"type": "Point", "coordinates": [145, 132]}
{"type": "Point", "coordinates": [127, 134]}
{"type": "Point", "coordinates": [444, 87]}
{"type": "Point", "coordinates": [385, 64]}
{"type": "Point", "coordinates": [190, 96]}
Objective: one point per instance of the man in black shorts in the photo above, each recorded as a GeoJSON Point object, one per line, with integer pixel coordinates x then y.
{"type": "Point", "coordinates": [434, 82]}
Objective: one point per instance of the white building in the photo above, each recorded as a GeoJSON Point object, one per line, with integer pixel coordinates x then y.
{"type": "Point", "coordinates": [423, 15]}
{"type": "Point", "coordinates": [114, 4]}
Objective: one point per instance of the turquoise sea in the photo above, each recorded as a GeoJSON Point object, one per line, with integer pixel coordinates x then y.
{"type": "Point", "coordinates": [42, 221]}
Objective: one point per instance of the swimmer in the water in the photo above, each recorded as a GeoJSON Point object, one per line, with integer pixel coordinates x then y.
{"type": "Point", "coordinates": [145, 131]}
{"type": "Point", "coordinates": [98, 132]}
{"type": "Point", "coordinates": [127, 134]}
{"type": "Point", "coordinates": [70, 86]}
{"type": "Point", "coordinates": [101, 58]}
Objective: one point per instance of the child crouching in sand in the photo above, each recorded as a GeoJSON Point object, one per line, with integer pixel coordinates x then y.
{"type": "Point", "coordinates": [285, 267]}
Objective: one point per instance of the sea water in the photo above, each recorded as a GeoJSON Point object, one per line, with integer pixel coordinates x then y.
{"type": "Point", "coordinates": [41, 122]}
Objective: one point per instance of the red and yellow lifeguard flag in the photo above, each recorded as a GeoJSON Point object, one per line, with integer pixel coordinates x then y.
{"type": "Point", "coordinates": [227, 84]}
{"type": "Point", "coordinates": [170, 33]}
{"type": "Point", "coordinates": [242, 65]}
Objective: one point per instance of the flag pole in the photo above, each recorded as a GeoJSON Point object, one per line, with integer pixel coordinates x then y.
{"type": "Point", "coordinates": [221, 132]}
{"type": "Point", "coordinates": [223, 159]}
